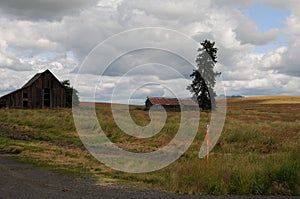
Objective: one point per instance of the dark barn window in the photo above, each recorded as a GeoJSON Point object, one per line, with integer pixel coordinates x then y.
{"type": "Point", "coordinates": [47, 97]}
{"type": "Point", "coordinates": [25, 100]}
{"type": "Point", "coordinates": [25, 95]}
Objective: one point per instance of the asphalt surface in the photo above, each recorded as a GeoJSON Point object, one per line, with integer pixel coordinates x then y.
{"type": "Point", "coordinates": [18, 180]}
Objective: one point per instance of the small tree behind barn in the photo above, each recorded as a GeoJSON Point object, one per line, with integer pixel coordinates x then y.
{"type": "Point", "coordinates": [71, 94]}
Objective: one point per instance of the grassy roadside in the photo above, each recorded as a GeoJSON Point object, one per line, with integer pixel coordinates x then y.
{"type": "Point", "coordinates": [258, 152]}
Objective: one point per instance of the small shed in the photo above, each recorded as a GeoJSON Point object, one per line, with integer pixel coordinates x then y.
{"type": "Point", "coordinates": [188, 104]}
{"type": "Point", "coordinates": [159, 103]}
{"type": "Point", "coordinates": [173, 104]}
{"type": "Point", "coordinates": [43, 90]}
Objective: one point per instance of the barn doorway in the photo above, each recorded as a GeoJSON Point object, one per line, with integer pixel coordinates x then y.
{"type": "Point", "coordinates": [25, 100]}
{"type": "Point", "coordinates": [46, 97]}
{"type": "Point", "coordinates": [2, 103]}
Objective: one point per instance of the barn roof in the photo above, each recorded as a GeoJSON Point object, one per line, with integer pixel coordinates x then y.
{"type": "Point", "coordinates": [32, 80]}
{"type": "Point", "coordinates": [37, 76]}
{"type": "Point", "coordinates": [171, 101]}
{"type": "Point", "coordinates": [187, 102]}
{"type": "Point", "coordinates": [163, 101]}
{"type": "Point", "coordinates": [3, 96]}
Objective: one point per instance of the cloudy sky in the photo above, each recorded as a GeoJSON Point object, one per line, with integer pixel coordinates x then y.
{"type": "Point", "coordinates": [84, 41]}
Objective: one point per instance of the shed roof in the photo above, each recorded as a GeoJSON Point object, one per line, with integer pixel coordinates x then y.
{"type": "Point", "coordinates": [172, 101]}
{"type": "Point", "coordinates": [187, 102]}
{"type": "Point", "coordinates": [163, 101]}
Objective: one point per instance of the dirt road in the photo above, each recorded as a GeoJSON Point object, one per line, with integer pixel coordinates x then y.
{"type": "Point", "coordinates": [18, 180]}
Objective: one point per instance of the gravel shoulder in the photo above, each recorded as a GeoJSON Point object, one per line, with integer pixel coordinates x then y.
{"type": "Point", "coordinates": [18, 180]}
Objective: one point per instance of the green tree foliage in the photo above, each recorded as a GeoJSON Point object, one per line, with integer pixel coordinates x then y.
{"type": "Point", "coordinates": [71, 94]}
{"type": "Point", "coordinates": [204, 77]}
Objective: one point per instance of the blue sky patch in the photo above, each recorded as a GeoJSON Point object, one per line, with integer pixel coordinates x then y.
{"type": "Point", "coordinates": [267, 17]}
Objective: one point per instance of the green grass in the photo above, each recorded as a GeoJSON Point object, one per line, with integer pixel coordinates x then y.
{"type": "Point", "coordinates": [257, 153]}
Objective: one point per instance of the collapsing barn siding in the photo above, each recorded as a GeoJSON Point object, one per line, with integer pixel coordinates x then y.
{"type": "Point", "coordinates": [44, 90]}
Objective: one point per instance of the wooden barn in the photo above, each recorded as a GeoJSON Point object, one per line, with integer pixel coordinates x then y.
{"type": "Point", "coordinates": [172, 104]}
{"type": "Point", "coordinates": [44, 90]}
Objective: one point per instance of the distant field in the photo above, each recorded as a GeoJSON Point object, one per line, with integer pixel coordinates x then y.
{"type": "Point", "coordinates": [270, 100]}
{"type": "Point", "coordinates": [257, 153]}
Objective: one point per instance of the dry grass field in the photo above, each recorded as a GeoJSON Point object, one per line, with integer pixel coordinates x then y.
{"type": "Point", "coordinates": [257, 153]}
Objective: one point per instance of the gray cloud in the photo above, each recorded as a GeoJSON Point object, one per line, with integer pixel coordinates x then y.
{"type": "Point", "coordinates": [43, 9]}
{"type": "Point", "coordinates": [289, 62]}
{"type": "Point", "coordinates": [30, 29]}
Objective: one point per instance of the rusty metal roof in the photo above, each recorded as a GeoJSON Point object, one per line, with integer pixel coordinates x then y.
{"type": "Point", "coordinates": [163, 101]}
{"type": "Point", "coordinates": [172, 101]}
{"type": "Point", "coordinates": [187, 102]}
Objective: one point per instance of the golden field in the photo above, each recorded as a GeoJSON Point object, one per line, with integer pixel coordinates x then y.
{"type": "Point", "coordinates": [257, 153]}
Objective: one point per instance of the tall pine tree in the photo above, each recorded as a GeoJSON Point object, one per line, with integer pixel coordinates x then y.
{"type": "Point", "coordinates": [204, 77]}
